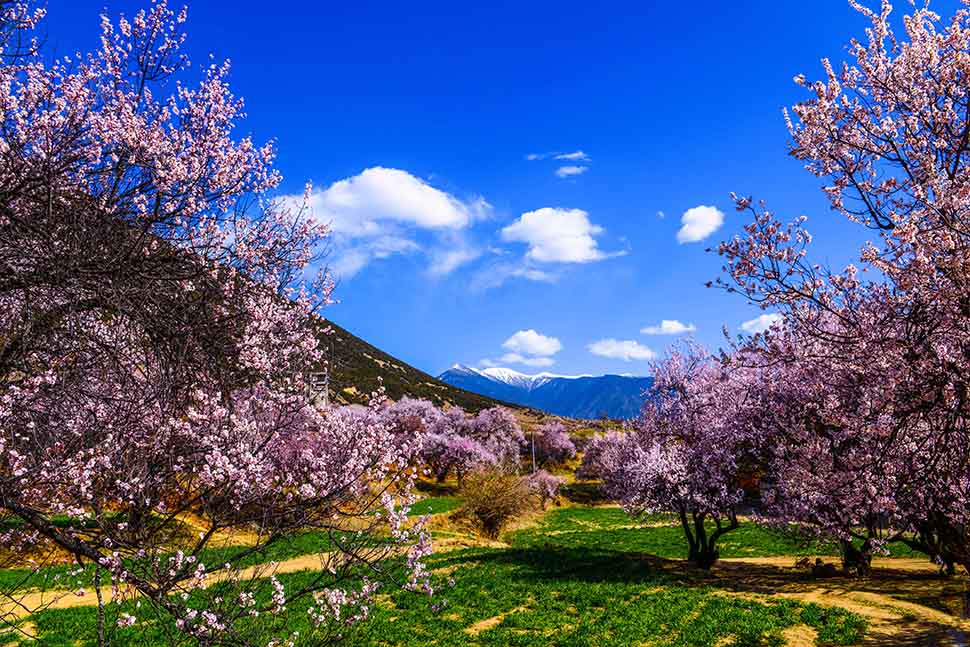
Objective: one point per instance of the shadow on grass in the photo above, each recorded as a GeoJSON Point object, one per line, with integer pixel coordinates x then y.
{"type": "Point", "coordinates": [585, 493]}
{"type": "Point", "coordinates": [432, 488]}
{"type": "Point", "coordinates": [560, 563]}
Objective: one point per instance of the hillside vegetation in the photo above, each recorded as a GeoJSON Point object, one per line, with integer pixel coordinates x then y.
{"type": "Point", "coordinates": [359, 369]}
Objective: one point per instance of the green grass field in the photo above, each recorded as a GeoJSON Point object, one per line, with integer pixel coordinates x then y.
{"type": "Point", "coordinates": [521, 597]}
{"type": "Point", "coordinates": [581, 577]}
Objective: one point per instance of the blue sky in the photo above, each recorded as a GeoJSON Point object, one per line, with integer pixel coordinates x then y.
{"type": "Point", "coordinates": [414, 121]}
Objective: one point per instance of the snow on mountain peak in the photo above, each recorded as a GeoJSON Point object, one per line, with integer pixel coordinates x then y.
{"type": "Point", "coordinates": [521, 380]}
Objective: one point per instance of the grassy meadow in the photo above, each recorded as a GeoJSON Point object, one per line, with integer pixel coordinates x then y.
{"type": "Point", "coordinates": [579, 574]}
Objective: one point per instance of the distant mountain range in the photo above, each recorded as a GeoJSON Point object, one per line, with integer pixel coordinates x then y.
{"type": "Point", "coordinates": [575, 396]}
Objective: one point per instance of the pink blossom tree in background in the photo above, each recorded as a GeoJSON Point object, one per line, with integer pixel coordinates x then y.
{"type": "Point", "coordinates": [686, 451]}
{"type": "Point", "coordinates": [410, 420]}
{"type": "Point", "coordinates": [553, 445]}
{"type": "Point", "coordinates": [156, 329]}
{"type": "Point", "coordinates": [874, 360]}
{"type": "Point", "coordinates": [458, 443]}
{"type": "Point", "coordinates": [499, 432]}
{"type": "Point", "coordinates": [601, 455]}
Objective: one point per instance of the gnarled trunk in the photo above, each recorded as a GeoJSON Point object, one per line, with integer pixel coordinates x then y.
{"type": "Point", "coordinates": [702, 547]}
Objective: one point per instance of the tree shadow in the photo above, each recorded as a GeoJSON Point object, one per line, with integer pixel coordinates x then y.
{"type": "Point", "coordinates": [584, 493]}
{"type": "Point", "coordinates": [552, 562]}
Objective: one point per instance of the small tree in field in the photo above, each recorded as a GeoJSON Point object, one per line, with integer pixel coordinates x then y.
{"type": "Point", "coordinates": [156, 330]}
{"type": "Point", "coordinates": [684, 453]}
{"type": "Point", "coordinates": [553, 445]}
{"type": "Point", "coordinates": [544, 486]}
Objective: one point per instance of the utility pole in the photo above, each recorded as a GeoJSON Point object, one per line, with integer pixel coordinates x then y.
{"type": "Point", "coordinates": [533, 450]}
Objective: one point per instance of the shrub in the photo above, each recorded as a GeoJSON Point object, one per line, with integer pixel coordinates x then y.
{"type": "Point", "coordinates": [493, 498]}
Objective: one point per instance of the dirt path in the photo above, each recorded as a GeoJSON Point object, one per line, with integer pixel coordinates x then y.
{"type": "Point", "coordinates": [904, 601]}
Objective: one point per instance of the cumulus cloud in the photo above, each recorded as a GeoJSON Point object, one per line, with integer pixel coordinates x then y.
{"type": "Point", "coordinates": [624, 349]}
{"type": "Point", "coordinates": [761, 323]}
{"type": "Point", "coordinates": [529, 348]}
{"type": "Point", "coordinates": [349, 260]}
{"type": "Point", "coordinates": [669, 327]}
{"type": "Point", "coordinates": [377, 213]}
{"type": "Point", "coordinates": [356, 206]}
{"type": "Point", "coordinates": [569, 171]}
{"type": "Point", "coordinates": [451, 250]}
{"type": "Point", "coordinates": [556, 236]}
{"type": "Point", "coordinates": [530, 342]}
{"type": "Point", "coordinates": [445, 260]}
{"type": "Point", "coordinates": [698, 223]}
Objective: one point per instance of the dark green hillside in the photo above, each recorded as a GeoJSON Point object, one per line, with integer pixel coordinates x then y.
{"type": "Point", "coordinates": [357, 366]}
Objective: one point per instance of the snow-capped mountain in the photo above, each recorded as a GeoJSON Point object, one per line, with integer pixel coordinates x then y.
{"type": "Point", "coordinates": [576, 396]}
{"type": "Point", "coordinates": [514, 378]}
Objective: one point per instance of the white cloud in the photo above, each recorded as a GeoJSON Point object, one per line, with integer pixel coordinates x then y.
{"type": "Point", "coordinates": [349, 260]}
{"type": "Point", "coordinates": [444, 261]}
{"type": "Point", "coordinates": [577, 156]}
{"type": "Point", "coordinates": [568, 171]}
{"type": "Point", "coordinates": [624, 349]}
{"type": "Point", "coordinates": [661, 215]}
{"type": "Point", "coordinates": [557, 236]}
{"type": "Point", "coordinates": [698, 223]}
{"type": "Point", "coordinates": [669, 327]}
{"type": "Point", "coordinates": [376, 214]}
{"type": "Point", "coordinates": [452, 250]}
{"type": "Point", "coordinates": [515, 358]}
{"type": "Point", "coordinates": [496, 274]}
{"type": "Point", "coordinates": [761, 323]}
{"type": "Point", "coordinates": [530, 342]}
{"type": "Point", "coordinates": [529, 348]}
{"type": "Point", "coordinates": [355, 206]}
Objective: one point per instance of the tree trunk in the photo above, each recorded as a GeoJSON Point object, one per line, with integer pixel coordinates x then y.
{"type": "Point", "coordinates": [702, 547]}
{"type": "Point", "coordinates": [856, 559]}
{"type": "Point", "coordinates": [691, 542]}
{"type": "Point", "coordinates": [102, 640]}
